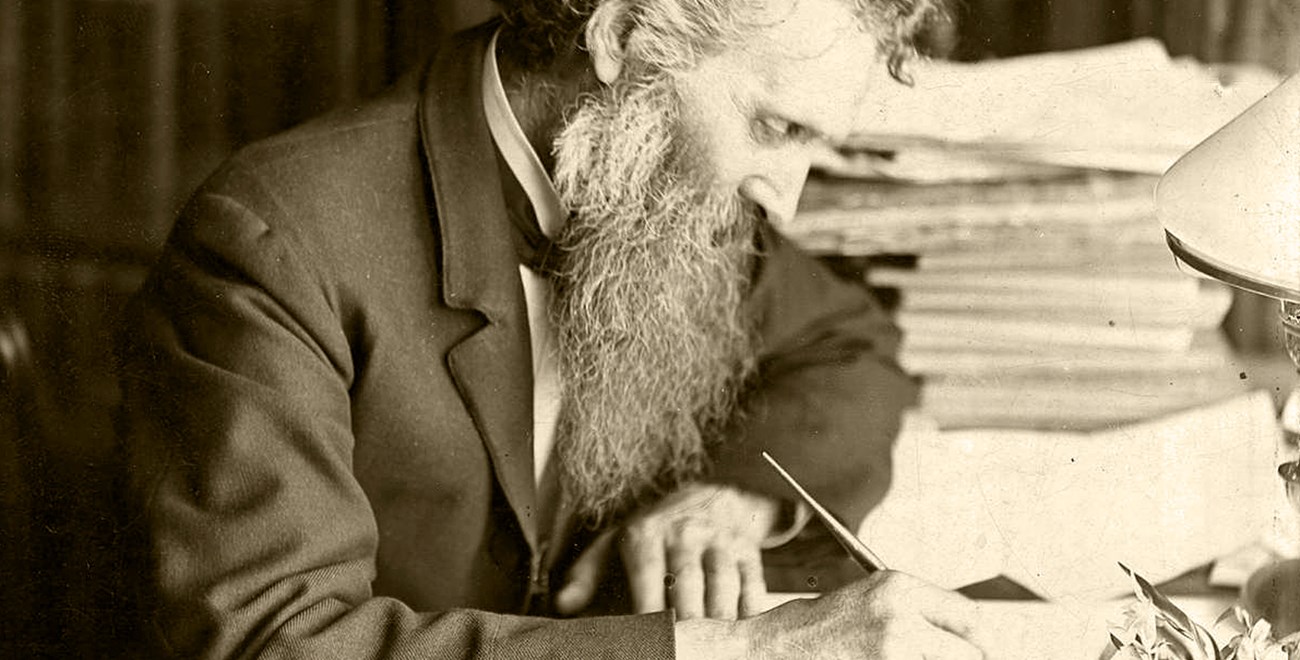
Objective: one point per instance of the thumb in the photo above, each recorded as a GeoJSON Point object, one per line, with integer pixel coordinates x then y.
{"type": "Point", "coordinates": [584, 576]}
{"type": "Point", "coordinates": [948, 610]}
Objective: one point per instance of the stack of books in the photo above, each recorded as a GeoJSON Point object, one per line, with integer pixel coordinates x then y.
{"type": "Point", "coordinates": [1006, 211]}
{"type": "Point", "coordinates": [1043, 300]}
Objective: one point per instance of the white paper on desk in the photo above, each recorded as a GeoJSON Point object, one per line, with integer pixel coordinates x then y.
{"type": "Point", "coordinates": [1056, 511]}
{"type": "Point", "coordinates": [1124, 106]}
{"type": "Point", "coordinates": [1033, 630]}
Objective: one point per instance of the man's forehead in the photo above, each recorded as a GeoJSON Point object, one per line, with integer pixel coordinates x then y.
{"type": "Point", "coordinates": [810, 62]}
{"type": "Point", "coordinates": [800, 28]}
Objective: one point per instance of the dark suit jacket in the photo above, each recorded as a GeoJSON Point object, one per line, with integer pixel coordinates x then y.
{"type": "Point", "coordinates": [328, 398]}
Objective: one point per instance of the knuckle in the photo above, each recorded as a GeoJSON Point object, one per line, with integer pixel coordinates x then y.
{"type": "Point", "coordinates": [636, 534]}
{"type": "Point", "coordinates": [883, 616]}
{"type": "Point", "coordinates": [720, 556]}
{"type": "Point", "coordinates": [688, 570]}
{"type": "Point", "coordinates": [692, 533]}
{"type": "Point", "coordinates": [882, 611]}
{"type": "Point", "coordinates": [736, 538]}
{"type": "Point", "coordinates": [886, 579]}
{"type": "Point", "coordinates": [888, 585]}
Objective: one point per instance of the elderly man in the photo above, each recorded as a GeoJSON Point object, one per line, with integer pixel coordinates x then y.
{"type": "Point", "coordinates": [408, 380]}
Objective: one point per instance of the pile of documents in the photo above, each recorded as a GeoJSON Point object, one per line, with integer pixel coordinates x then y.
{"type": "Point", "coordinates": [1127, 106]}
{"type": "Point", "coordinates": [1081, 405]}
{"type": "Point", "coordinates": [1006, 212]}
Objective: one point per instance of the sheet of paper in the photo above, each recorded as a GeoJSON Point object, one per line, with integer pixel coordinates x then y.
{"type": "Point", "coordinates": [1057, 511]}
{"type": "Point", "coordinates": [1123, 106]}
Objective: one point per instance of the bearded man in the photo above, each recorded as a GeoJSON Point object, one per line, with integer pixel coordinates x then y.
{"type": "Point", "coordinates": [408, 381]}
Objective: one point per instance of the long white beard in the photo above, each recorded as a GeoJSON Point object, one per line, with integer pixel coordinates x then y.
{"type": "Point", "coordinates": [653, 340]}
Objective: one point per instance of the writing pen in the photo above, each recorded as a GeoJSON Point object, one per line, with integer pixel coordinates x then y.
{"type": "Point", "coordinates": [847, 539]}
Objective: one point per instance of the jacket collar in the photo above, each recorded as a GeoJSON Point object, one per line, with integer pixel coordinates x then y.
{"type": "Point", "coordinates": [480, 272]}
{"type": "Point", "coordinates": [478, 264]}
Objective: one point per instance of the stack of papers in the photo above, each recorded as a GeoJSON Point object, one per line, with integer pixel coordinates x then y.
{"type": "Point", "coordinates": [1127, 106]}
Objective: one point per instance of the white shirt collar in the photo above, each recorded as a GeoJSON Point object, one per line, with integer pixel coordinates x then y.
{"type": "Point", "coordinates": [518, 153]}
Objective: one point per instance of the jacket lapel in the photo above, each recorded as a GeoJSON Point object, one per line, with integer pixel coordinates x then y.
{"type": "Point", "coordinates": [492, 367]}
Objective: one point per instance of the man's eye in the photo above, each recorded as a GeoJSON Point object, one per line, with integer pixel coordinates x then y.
{"type": "Point", "coordinates": [774, 130]}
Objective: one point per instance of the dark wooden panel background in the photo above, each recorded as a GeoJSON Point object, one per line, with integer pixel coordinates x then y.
{"type": "Point", "coordinates": [112, 110]}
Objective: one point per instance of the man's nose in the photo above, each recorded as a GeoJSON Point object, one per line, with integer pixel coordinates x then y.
{"type": "Point", "coordinates": [777, 190]}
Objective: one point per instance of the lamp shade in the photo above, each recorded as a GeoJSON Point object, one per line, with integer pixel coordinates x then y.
{"type": "Point", "coordinates": [1231, 206]}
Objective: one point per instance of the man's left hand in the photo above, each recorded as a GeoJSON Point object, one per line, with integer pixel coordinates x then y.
{"type": "Point", "coordinates": [696, 550]}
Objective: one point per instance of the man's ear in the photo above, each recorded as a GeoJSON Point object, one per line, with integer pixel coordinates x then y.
{"type": "Point", "coordinates": [607, 32]}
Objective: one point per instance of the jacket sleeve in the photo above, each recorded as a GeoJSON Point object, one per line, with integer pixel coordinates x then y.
{"type": "Point", "coordinates": [828, 398]}
{"type": "Point", "coordinates": [235, 372]}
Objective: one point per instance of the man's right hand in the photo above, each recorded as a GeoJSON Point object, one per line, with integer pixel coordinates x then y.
{"type": "Point", "coordinates": [887, 616]}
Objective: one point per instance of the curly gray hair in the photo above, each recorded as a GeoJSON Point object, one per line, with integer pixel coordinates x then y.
{"type": "Point", "coordinates": [689, 29]}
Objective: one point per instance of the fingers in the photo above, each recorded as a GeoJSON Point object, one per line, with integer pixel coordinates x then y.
{"type": "Point", "coordinates": [872, 619]}
{"type": "Point", "coordinates": [694, 573]}
{"type": "Point", "coordinates": [945, 621]}
{"type": "Point", "coordinates": [911, 637]}
{"type": "Point", "coordinates": [947, 610]}
{"type": "Point", "coordinates": [646, 566]}
{"type": "Point", "coordinates": [943, 645]}
{"type": "Point", "coordinates": [753, 586]}
{"type": "Point", "coordinates": [923, 642]}
{"type": "Point", "coordinates": [734, 583]}
{"type": "Point", "coordinates": [584, 576]}
{"type": "Point", "coordinates": [878, 617]}
{"type": "Point", "coordinates": [686, 564]}
{"type": "Point", "coordinates": [721, 583]}
{"type": "Point", "coordinates": [698, 551]}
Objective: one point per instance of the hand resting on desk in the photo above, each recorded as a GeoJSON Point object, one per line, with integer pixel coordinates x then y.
{"type": "Point", "coordinates": [886, 616]}
{"type": "Point", "coordinates": [708, 537]}
{"type": "Point", "coordinates": [697, 550]}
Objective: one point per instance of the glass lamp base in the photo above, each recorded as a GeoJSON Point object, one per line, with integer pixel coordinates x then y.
{"type": "Point", "coordinates": [1273, 594]}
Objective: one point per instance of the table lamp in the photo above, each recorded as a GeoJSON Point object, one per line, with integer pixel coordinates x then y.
{"type": "Point", "coordinates": [1231, 211]}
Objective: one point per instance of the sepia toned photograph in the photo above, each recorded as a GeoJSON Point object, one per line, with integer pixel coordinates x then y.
{"type": "Point", "coordinates": [650, 329]}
